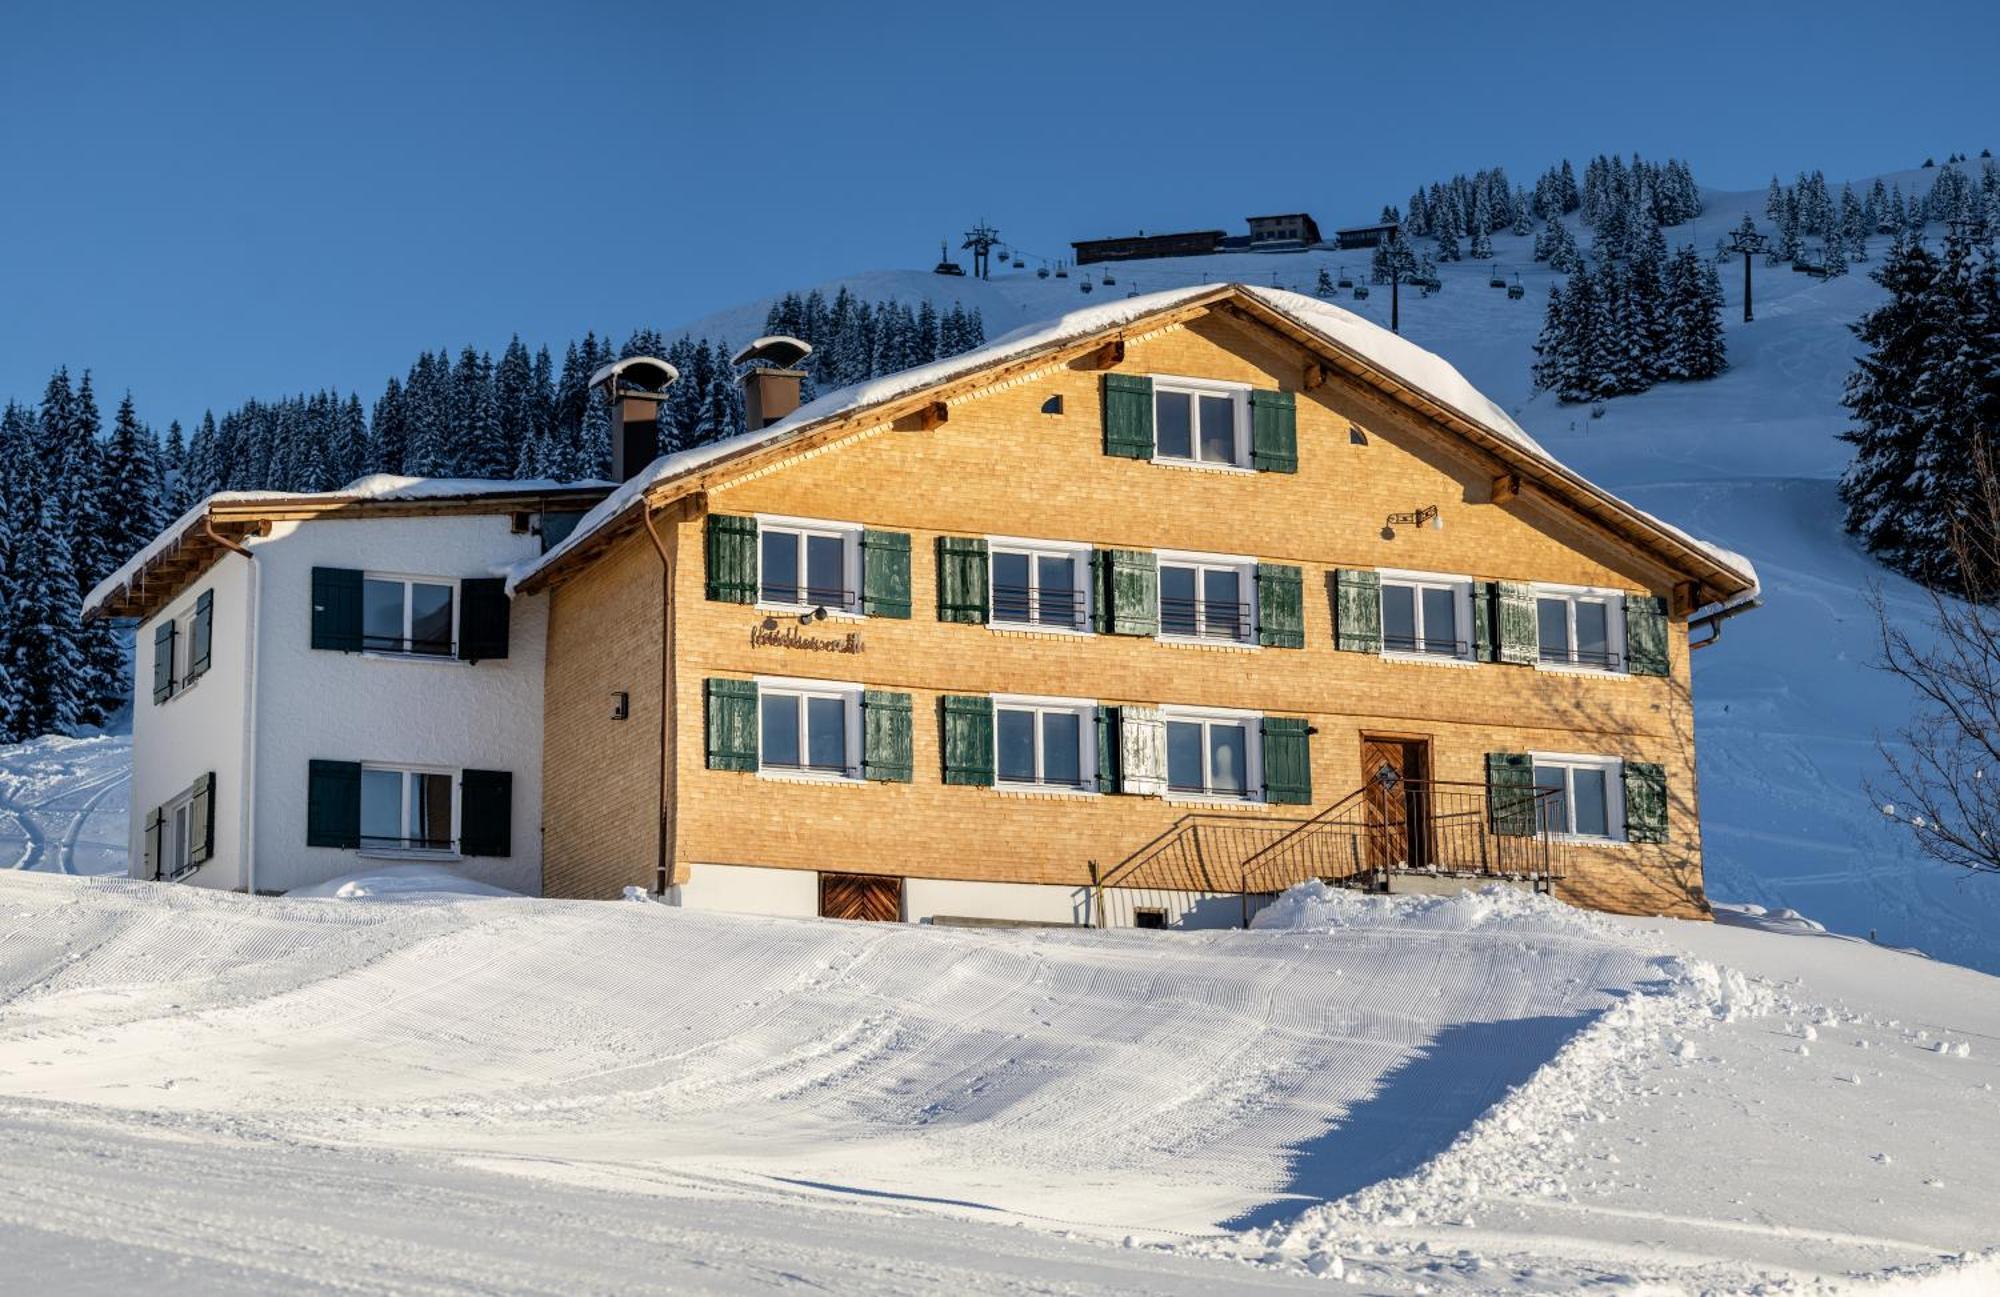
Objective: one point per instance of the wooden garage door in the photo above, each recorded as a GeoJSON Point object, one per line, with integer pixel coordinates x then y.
{"type": "Point", "coordinates": [870, 897]}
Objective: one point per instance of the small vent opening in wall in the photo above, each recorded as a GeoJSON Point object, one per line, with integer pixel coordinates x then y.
{"type": "Point", "coordinates": [1148, 916]}
{"type": "Point", "coordinates": [1053, 405]}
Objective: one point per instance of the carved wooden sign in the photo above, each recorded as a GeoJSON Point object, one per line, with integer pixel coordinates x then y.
{"type": "Point", "coordinates": [769, 634]}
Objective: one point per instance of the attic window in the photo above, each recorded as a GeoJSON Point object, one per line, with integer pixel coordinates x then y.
{"type": "Point", "coordinates": [1053, 405]}
{"type": "Point", "coordinates": [520, 523]}
{"type": "Point", "coordinates": [1356, 437]}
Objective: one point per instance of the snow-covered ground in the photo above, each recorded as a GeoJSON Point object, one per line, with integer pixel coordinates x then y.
{"type": "Point", "coordinates": [207, 1093]}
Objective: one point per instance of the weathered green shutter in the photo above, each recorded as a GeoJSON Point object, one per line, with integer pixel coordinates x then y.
{"type": "Point", "coordinates": [886, 744]}
{"type": "Point", "coordinates": [1646, 634]}
{"type": "Point", "coordinates": [731, 713]}
{"type": "Point", "coordinates": [1357, 611]}
{"type": "Point", "coordinates": [1510, 793]}
{"type": "Point", "coordinates": [201, 821]}
{"type": "Point", "coordinates": [333, 804]}
{"type": "Point", "coordinates": [1281, 606]}
{"type": "Point", "coordinates": [1142, 751]}
{"type": "Point", "coordinates": [961, 565]}
{"type": "Point", "coordinates": [1645, 802]}
{"type": "Point", "coordinates": [1134, 583]}
{"type": "Point", "coordinates": [201, 635]}
{"type": "Point", "coordinates": [1274, 432]}
{"type": "Point", "coordinates": [155, 820]}
{"type": "Point", "coordinates": [1484, 600]}
{"type": "Point", "coordinates": [486, 813]}
{"type": "Point", "coordinates": [483, 610]}
{"type": "Point", "coordinates": [1100, 591]}
{"type": "Point", "coordinates": [336, 613]}
{"type": "Point", "coordinates": [885, 574]}
{"type": "Point", "coordinates": [163, 660]}
{"type": "Point", "coordinates": [1128, 416]}
{"type": "Point", "coordinates": [1520, 634]}
{"type": "Point", "coordinates": [1107, 749]}
{"type": "Point", "coordinates": [732, 558]}
{"type": "Point", "coordinates": [1288, 778]}
{"type": "Point", "coordinates": [968, 739]}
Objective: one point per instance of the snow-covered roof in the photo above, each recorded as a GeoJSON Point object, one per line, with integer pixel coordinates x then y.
{"type": "Point", "coordinates": [1413, 366]}
{"type": "Point", "coordinates": [370, 488]}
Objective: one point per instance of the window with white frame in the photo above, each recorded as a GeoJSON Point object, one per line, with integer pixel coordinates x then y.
{"type": "Point", "coordinates": [1426, 615]}
{"type": "Point", "coordinates": [177, 836]}
{"type": "Point", "coordinates": [409, 808]}
{"type": "Point", "coordinates": [804, 564]}
{"type": "Point", "coordinates": [1581, 796]}
{"type": "Point", "coordinates": [1043, 584]}
{"type": "Point", "coordinates": [809, 728]}
{"type": "Point", "coordinates": [417, 616]}
{"type": "Point", "coordinates": [1213, 754]}
{"type": "Point", "coordinates": [1207, 597]}
{"type": "Point", "coordinates": [1581, 628]}
{"type": "Point", "coordinates": [1045, 743]}
{"type": "Point", "coordinates": [1201, 422]}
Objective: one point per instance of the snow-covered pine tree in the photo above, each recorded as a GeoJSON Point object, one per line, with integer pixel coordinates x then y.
{"type": "Point", "coordinates": [1879, 486]}
{"type": "Point", "coordinates": [514, 398]}
{"type": "Point", "coordinates": [1694, 347]}
{"type": "Point", "coordinates": [47, 670]}
{"type": "Point", "coordinates": [482, 449]}
{"type": "Point", "coordinates": [1955, 449]}
{"type": "Point", "coordinates": [173, 473]}
{"type": "Point", "coordinates": [1555, 346]}
{"type": "Point", "coordinates": [1323, 285]}
{"type": "Point", "coordinates": [1523, 224]}
{"type": "Point", "coordinates": [130, 499]}
{"type": "Point", "coordinates": [1449, 222]}
{"type": "Point", "coordinates": [1646, 325]}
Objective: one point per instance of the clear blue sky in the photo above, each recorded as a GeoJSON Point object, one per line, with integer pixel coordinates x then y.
{"type": "Point", "coordinates": [207, 202]}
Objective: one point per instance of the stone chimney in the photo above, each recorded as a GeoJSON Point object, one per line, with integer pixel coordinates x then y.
{"type": "Point", "coordinates": [771, 381]}
{"type": "Point", "coordinates": [635, 387]}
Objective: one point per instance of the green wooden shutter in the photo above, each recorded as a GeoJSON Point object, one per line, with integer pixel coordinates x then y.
{"type": "Point", "coordinates": [1646, 634]}
{"type": "Point", "coordinates": [201, 635]}
{"type": "Point", "coordinates": [968, 739]}
{"type": "Point", "coordinates": [163, 660]}
{"type": "Point", "coordinates": [961, 564]}
{"type": "Point", "coordinates": [1100, 591]}
{"type": "Point", "coordinates": [336, 618]}
{"type": "Point", "coordinates": [1281, 609]}
{"type": "Point", "coordinates": [1357, 611]}
{"type": "Point", "coordinates": [333, 804]}
{"type": "Point", "coordinates": [886, 744]}
{"type": "Point", "coordinates": [1274, 432]}
{"type": "Point", "coordinates": [731, 713]}
{"type": "Point", "coordinates": [201, 821]}
{"type": "Point", "coordinates": [1128, 416]}
{"type": "Point", "coordinates": [1484, 599]}
{"type": "Point", "coordinates": [732, 558]}
{"type": "Point", "coordinates": [1645, 802]}
{"type": "Point", "coordinates": [1510, 793]}
{"type": "Point", "coordinates": [1107, 749]}
{"type": "Point", "coordinates": [486, 813]}
{"type": "Point", "coordinates": [483, 610]}
{"type": "Point", "coordinates": [155, 819]}
{"type": "Point", "coordinates": [1288, 777]}
{"type": "Point", "coordinates": [885, 574]}
{"type": "Point", "coordinates": [1520, 634]}
{"type": "Point", "coordinates": [1134, 592]}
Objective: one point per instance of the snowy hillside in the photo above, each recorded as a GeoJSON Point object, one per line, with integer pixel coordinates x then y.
{"type": "Point", "coordinates": [200, 1092]}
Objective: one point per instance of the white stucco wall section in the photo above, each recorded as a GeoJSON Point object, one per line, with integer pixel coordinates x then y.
{"type": "Point", "coordinates": [199, 729]}
{"type": "Point", "coordinates": [748, 889]}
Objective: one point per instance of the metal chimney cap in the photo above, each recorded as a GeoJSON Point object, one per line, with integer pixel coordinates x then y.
{"type": "Point", "coordinates": [644, 372]}
{"type": "Point", "coordinates": [778, 349]}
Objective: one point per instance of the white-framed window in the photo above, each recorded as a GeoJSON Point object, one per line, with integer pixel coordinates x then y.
{"type": "Point", "coordinates": [1214, 753]}
{"type": "Point", "coordinates": [1589, 802]}
{"type": "Point", "coordinates": [1581, 627]}
{"type": "Point", "coordinates": [1208, 597]}
{"type": "Point", "coordinates": [409, 809]}
{"type": "Point", "coordinates": [1197, 421]}
{"type": "Point", "coordinates": [806, 564]}
{"type": "Point", "coordinates": [808, 729]}
{"type": "Point", "coordinates": [1039, 583]}
{"type": "Point", "coordinates": [177, 836]}
{"type": "Point", "coordinates": [1045, 743]}
{"type": "Point", "coordinates": [1425, 615]}
{"type": "Point", "coordinates": [410, 616]}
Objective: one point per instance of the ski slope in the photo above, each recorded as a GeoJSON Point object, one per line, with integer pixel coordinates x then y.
{"type": "Point", "coordinates": [204, 1092]}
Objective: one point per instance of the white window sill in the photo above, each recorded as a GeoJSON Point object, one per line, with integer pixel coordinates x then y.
{"type": "Point", "coordinates": [1580, 840]}
{"type": "Point", "coordinates": [182, 690]}
{"type": "Point", "coordinates": [801, 609]}
{"type": "Point", "coordinates": [1029, 628]}
{"type": "Point", "coordinates": [1426, 659]}
{"type": "Point", "coordinates": [401, 853]}
{"type": "Point", "coordinates": [1041, 790]}
{"type": "Point", "coordinates": [1201, 466]}
{"type": "Point", "coordinates": [1218, 644]}
{"type": "Point", "coordinates": [1202, 799]}
{"type": "Point", "coordinates": [1570, 669]}
{"type": "Point", "coordinates": [436, 659]}
{"type": "Point", "coordinates": [808, 777]}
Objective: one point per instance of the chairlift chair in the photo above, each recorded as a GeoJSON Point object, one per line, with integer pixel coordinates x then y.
{"type": "Point", "coordinates": [1041, 272]}
{"type": "Point", "coordinates": [1499, 280]}
{"type": "Point", "coordinates": [1345, 280]}
{"type": "Point", "coordinates": [1018, 263]}
{"type": "Point", "coordinates": [1361, 292]}
{"type": "Point", "coordinates": [1084, 287]}
{"type": "Point", "coordinates": [1514, 290]}
{"type": "Point", "coordinates": [1109, 279]}
{"type": "Point", "coordinates": [1062, 270]}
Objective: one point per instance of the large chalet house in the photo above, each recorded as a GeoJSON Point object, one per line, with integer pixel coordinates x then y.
{"type": "Point", "coordinates": [1134, 618]}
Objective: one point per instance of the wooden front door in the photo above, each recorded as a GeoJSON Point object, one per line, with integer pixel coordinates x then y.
{"type": "Point", "coordinates": [1395, 774]}
{"type": "Point", "coordinates": [870, 897]}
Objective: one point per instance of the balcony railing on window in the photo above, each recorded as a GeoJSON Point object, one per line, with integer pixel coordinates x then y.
{"type": "Point", "coordinates": [401, 644]}
{"type": "Point", "coordinates": [1204, 618]}
{"type": "Point", "coordinates": [1021, 606]}
{"type": "Point", "coordinates": [807, 596]}
{"type": "Point", "coordinates": [1208, 790]}
{"type": "Point", "coordinates": [1046, 781]}
{"type": "Point", "coordinates": [814, 768]}
{"type": "Point", "coordinates": [1595, 659]}
{"type": "Point", "coordinates": [376, 842]}
{"type": "Point", "coordinates": [1435, 647]}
